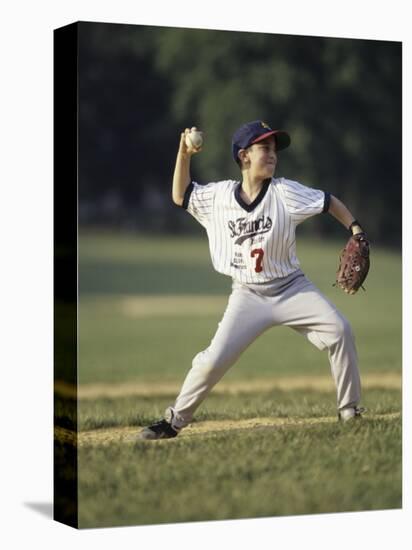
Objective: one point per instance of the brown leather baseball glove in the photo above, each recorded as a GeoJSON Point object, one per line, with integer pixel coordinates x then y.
{"type": "Point", "coordinates": [353, 264]}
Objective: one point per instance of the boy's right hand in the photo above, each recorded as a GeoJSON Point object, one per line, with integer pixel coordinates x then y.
{"type": "Point", "coordinates": [183, 147]}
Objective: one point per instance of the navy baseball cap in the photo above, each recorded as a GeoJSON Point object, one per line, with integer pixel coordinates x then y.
{"type": "Point", "coordinates": [256, 131]}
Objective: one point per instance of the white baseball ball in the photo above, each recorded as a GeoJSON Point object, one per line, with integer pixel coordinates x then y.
{"type": "Point", "coordinates": [194, 138]}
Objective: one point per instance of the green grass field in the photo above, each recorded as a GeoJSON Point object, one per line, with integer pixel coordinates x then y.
{"type": "Point", "coordinates": [147, 306]}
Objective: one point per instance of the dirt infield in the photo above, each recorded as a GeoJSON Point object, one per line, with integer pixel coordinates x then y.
{"type": "Point", "coordinates": [181, 305]}
{"type": "Point", "coordinates": [130, 434]}
{"type": "Point", "coordinates": [143, 389]}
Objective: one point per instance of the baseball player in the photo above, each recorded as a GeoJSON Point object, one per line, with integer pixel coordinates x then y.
{"type": "Point", "coordinates": [251, 228]}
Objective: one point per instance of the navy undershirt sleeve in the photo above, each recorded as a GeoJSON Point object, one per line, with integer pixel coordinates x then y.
{"type": "Point", "coordinates": [187, 194]}
{"type": "Point", "coordinates": [326, 204]}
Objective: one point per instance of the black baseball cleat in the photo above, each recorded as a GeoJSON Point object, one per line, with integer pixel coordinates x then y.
{"type": "Point", "coordinates": [159, 430]}
{"type": "Point", "coordinates": [351, 413]}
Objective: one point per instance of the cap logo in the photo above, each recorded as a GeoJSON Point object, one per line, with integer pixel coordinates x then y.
{"type": "Point", "coordinates": [265, 125]}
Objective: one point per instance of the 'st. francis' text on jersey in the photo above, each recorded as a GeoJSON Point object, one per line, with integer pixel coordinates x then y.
{"type": "Point", "coordinates": [254, 243]}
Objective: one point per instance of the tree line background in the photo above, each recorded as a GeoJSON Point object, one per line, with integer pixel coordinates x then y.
{"type": "Point", "coordinates": [140, 86]}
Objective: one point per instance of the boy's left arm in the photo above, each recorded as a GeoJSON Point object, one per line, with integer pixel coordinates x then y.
{"type": "Point", "coordinates": [339, 211]}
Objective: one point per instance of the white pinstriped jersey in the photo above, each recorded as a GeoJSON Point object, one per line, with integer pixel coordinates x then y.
{"type": "Point", "coordinates": [254, 243]}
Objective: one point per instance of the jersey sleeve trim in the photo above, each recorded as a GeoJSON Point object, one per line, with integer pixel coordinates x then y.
{"type": "Point", "coordinates": [187, 194]}
{"type": "Point", "coordinates": [326, 204]}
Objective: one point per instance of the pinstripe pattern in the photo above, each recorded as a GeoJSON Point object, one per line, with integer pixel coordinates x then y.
{"type": "Point", "coordinates": [259, 245]}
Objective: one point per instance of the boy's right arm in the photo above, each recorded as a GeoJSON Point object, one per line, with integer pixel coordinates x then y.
{"type": "Point", "coordinates": [181, 176]}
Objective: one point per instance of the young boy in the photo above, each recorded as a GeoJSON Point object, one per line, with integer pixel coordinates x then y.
{"type": "Point", "coordinates": [251, 229]}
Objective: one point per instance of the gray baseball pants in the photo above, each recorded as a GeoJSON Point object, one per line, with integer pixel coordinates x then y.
{"type": "Point", "coordinates": [294, 302]}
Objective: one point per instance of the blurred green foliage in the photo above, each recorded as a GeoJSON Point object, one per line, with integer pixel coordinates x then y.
{"type": "Point", "coordinates": [340, 99]}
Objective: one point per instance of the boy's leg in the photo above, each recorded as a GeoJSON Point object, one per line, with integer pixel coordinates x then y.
{"type": "Point", "coordinates": [246, 317]}
{"type": "Point", "coordinates": [310, 313]}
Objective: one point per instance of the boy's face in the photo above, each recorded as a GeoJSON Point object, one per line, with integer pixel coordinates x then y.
{"type": "Point", "coordinates": [261, 158]}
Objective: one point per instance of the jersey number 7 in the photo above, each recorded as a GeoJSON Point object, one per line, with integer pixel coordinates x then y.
{"type": "Point", "coordinates": [259, 253]}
